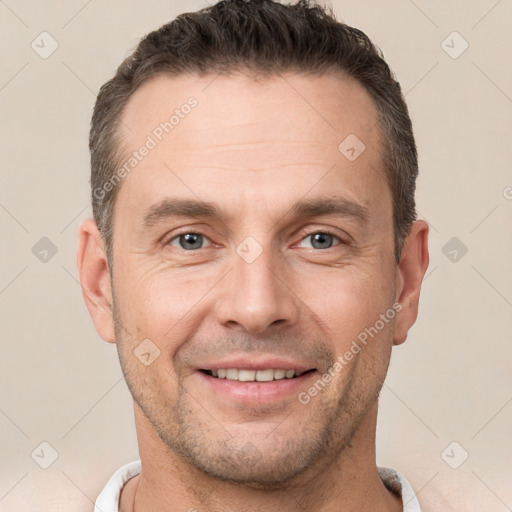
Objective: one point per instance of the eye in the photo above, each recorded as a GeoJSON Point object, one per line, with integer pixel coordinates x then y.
{"type": "Point", "coordinates": [188, 241]}
{"type": "Point", "coordinates": [321, 240]}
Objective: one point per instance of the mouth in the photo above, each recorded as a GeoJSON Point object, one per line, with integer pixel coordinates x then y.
{"type": "Point", "coordinates": [256, 386]}
{"type": "Point", "coordinates": [249, 375]}
{"type": "Point", "coordinates": [254, 380]}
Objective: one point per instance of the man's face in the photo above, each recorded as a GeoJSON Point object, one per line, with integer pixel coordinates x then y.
{"type": "Point", "coordinates": [254, 282]}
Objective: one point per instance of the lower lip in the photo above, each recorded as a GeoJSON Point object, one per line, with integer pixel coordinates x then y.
{"type": "Point", "coordinates": [273, 390]}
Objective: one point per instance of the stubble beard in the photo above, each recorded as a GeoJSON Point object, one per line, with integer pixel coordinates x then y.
{"type": "Point", "coordinates": [270, 462]}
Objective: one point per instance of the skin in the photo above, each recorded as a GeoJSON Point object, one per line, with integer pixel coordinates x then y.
{"type": "Point", "coordinates": [254, 148]}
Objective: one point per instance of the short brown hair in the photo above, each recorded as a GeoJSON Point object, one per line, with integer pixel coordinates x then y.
{"type": "Point", "coordinates": [263, 37]}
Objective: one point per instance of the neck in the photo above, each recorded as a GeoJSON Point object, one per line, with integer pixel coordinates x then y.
{"type": "Point", "coordinates": [348, 481]}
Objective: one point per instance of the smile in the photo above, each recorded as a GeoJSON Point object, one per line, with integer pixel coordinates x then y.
{"type": "Point", "coordinates": [243, 375]}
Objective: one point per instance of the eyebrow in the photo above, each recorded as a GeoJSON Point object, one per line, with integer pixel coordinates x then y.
{"type": "Point", "coordinates": [331, 206]}
{"type": "Point", "coordinates": [189, 208]}
{"type": "Point", "coordinates": [173, 207]}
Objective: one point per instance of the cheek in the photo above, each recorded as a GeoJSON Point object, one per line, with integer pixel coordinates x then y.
{"type": "Point", "coordinates": [346, 300]}
{"type": "Point", "coordinates": [162, 305]}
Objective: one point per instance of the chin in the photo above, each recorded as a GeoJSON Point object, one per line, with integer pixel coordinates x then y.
{"type": "Point", "coordinates": [264, 475]}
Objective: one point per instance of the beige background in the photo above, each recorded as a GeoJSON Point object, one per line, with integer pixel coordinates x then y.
{"type": "Point", "coordinates": [452, 379]}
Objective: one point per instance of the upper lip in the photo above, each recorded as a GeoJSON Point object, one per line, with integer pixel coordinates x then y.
{"type": "Point", "coordinates": [255, 363]}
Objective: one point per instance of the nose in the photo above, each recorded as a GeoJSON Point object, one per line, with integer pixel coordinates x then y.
{"type": "Point", "coordinates": [257, 295]}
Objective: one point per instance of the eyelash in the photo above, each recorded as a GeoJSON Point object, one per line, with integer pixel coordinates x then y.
{"type": "Point", "coordinates": [303, 237]}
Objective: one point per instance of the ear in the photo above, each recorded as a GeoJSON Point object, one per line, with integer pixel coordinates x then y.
{"type": "Point", "coordinates": [411, 269]}
{"type": "Point", "coordinates": [95, 279]}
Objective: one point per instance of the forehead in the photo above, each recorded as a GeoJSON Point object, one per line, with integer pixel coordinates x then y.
{"type": "Point", "coordinates": [238, 108]}
{"type": "Point", "coordinates": [257, 135]}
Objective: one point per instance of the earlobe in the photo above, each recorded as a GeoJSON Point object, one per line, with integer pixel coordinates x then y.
{"type": "Point", "coordinates": [411, 270]}
{"type": "Point", "coordinates": [95, 279]}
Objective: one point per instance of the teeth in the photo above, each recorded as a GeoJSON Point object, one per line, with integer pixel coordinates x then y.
{"type": "Point", "coordinates": [246, 375]}
{"type": "Point", "coordinates": [279, 374]}
{"type": "Point", "coordinates": [254, 375]}
{"type": "Point", "coordinates": [264, 375]}
{"type": "Point", "coordinates": [231, 374]}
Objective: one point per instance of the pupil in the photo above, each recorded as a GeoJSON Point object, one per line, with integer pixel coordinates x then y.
{"type": "Point", "coordinates": [191, 241]}
{"type": "Point", "coordinates": [321, 239]}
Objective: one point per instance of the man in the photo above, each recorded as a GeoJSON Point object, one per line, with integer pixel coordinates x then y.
{"type": "Point", "coordinates": [254, 255]}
